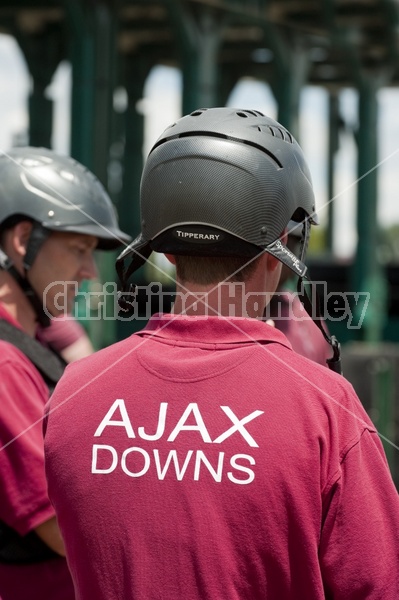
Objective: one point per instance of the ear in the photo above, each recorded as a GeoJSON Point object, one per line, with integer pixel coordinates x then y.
{"type": "Point", "coordinates": [272, 262]}
{"type": "Point", "coordinates": [16, 239]}
{"type": "Point", "coordinates": [171, 259]}
{"type": "Point", "coordinates": [20, 237]}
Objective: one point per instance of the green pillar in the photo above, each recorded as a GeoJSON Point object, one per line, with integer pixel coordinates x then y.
{"type": "Point", "coordinates": [198, 41]}
{"type": "Point", "coordinates": [105, 28]}
{"type": "Point", "coordinates": [290, 75]}
{"type": "Point", "coordinates": [200, 66]}
{"type": "Point", "coordinates": [40, 116]}
{"type": "Point", "coordinates": [367, 273]}
{"type": "Point", "coordinates": [93, 56]}
{"type": "Point", "coordinates": [229, 76]}
{"type": "Point", "coordinates": [83, 60]}
{"type": "Point", "coordinates": [43, 51]}
{"type": "Point", "coordinates": [136, 70]}
{"type": "Point", "coordinates": [287, 90]}
{"type": "Point", "coordinates": [333, 144]}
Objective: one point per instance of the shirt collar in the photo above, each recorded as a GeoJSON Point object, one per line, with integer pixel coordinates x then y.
{"type": "Point", "coordinates": [212, 330]}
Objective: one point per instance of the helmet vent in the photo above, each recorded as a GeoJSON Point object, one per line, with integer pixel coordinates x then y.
{"type": "Point", "coordinates": [222, 136]}
{"type": "Point", "coordinates": [281, 133]}
{"type": "Point", "coordinates": [249, 113]}
{"type": "Point", "coordinates": [198, 113]}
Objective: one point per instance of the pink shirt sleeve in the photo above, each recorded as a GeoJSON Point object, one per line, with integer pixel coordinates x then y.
{"type": "Point", "coordinates": [359, 547]}
{"type": "Point", "coordinates": [62, 332]}
{"type": "Point", "coordinates": [24, 502]}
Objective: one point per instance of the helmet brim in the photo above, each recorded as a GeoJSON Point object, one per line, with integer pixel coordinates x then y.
{"type": "Point", "coordinates": [109, 238]}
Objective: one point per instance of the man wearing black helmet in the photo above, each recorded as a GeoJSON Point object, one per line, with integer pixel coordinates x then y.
{"type": "Point", "coordinates": [205, 458]}
{"type": "Point", "coordinates": [53, 214]}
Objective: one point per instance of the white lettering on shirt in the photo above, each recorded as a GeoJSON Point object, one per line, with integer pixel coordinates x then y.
{"type": "Point", "coordinates": [171, 456]}
{"type": "Point", "coordinates": [200, 425]}
{"type": "Point", "coordinates": [161, 424]}
{"type": "Point", "coordinates": [195, 464]}
{"type": "Point", "coordinates": [146, 464]}
{"type": "Point", "coordinates": [125, 422]}
{"type": "Point", "coordinates": [238, 426]}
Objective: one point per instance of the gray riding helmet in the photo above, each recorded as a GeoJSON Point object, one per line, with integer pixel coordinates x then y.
{"type": "Point", "coordinates": [223, 182]}
{"type": "Point", "coordinates": [57, 192]}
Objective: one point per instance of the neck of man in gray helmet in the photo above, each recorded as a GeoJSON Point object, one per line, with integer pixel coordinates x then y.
{"type": "Point", "coordinates": [227, 299]}
{"type": "Point", "coordinates": [14, 301]}
{"type": "Point", "coordinates": [12, 297]}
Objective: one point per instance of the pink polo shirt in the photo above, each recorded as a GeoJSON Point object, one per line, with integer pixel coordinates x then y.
{"type": "Point", "coordinates": [24, 502]}
{"type": "Point", "coordinates": [204, 459]}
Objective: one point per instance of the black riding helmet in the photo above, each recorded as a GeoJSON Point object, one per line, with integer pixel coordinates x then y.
{"type": "Point", "coordinates": [223, 182]}
{"type": "Point", "coordinates": [55, 193]}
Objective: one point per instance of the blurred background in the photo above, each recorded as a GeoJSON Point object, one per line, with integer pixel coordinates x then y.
{"type": "Point", "coordinates": [100, 80]}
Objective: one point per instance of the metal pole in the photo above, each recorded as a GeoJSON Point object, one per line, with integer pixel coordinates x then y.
{"type": "Point", "coordinates": [333, 143]}
{"type": "Point", "coordinates": [199, 38]}
{"type": "Point", "coordinates": [367, 274]}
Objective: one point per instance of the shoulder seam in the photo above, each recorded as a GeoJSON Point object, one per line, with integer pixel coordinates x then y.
{"type": "Point", "coordinates": [344, 453]}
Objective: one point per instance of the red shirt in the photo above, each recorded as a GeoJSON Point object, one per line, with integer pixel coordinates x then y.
{"type": "Point", "coordinates": [204, 459]}
{"type": "Point", "coordinates": [302, 333]}
{"type": "Point", "coordinates": [62, 332]}
{"type": "Point", "coordinates": [24, 502]}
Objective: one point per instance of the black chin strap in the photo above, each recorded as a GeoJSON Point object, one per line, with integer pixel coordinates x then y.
{"type": "Point", "coordinates": [138, 252]}
{"type": "Point", "coordinates": [297, 266]}
{"type": "Point", "coordinates": [334, 363]}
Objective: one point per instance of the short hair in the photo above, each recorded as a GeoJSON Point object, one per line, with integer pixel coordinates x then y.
{"type": "Point", "coordinates": [206, 270]}
{"type": "Point", "coordinates": [9, 223]}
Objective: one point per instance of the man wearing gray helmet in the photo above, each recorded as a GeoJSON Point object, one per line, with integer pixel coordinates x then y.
{"type": "Point", "coordinates": [205, 459]}
{"type": "Point", "coordinates": [53, 214]}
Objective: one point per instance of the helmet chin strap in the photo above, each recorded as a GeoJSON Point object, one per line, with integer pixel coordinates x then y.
{"type": "Point", "coordinates": [334, 363]}
{"type": "Point", "coordinates": [288, 258]}
{"type": "Point", "coordinates": [138, 252]}
{"type": "Point", "coordinates": [282, 253]}
{"type": "Point", "coordinates": [38, 235]}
